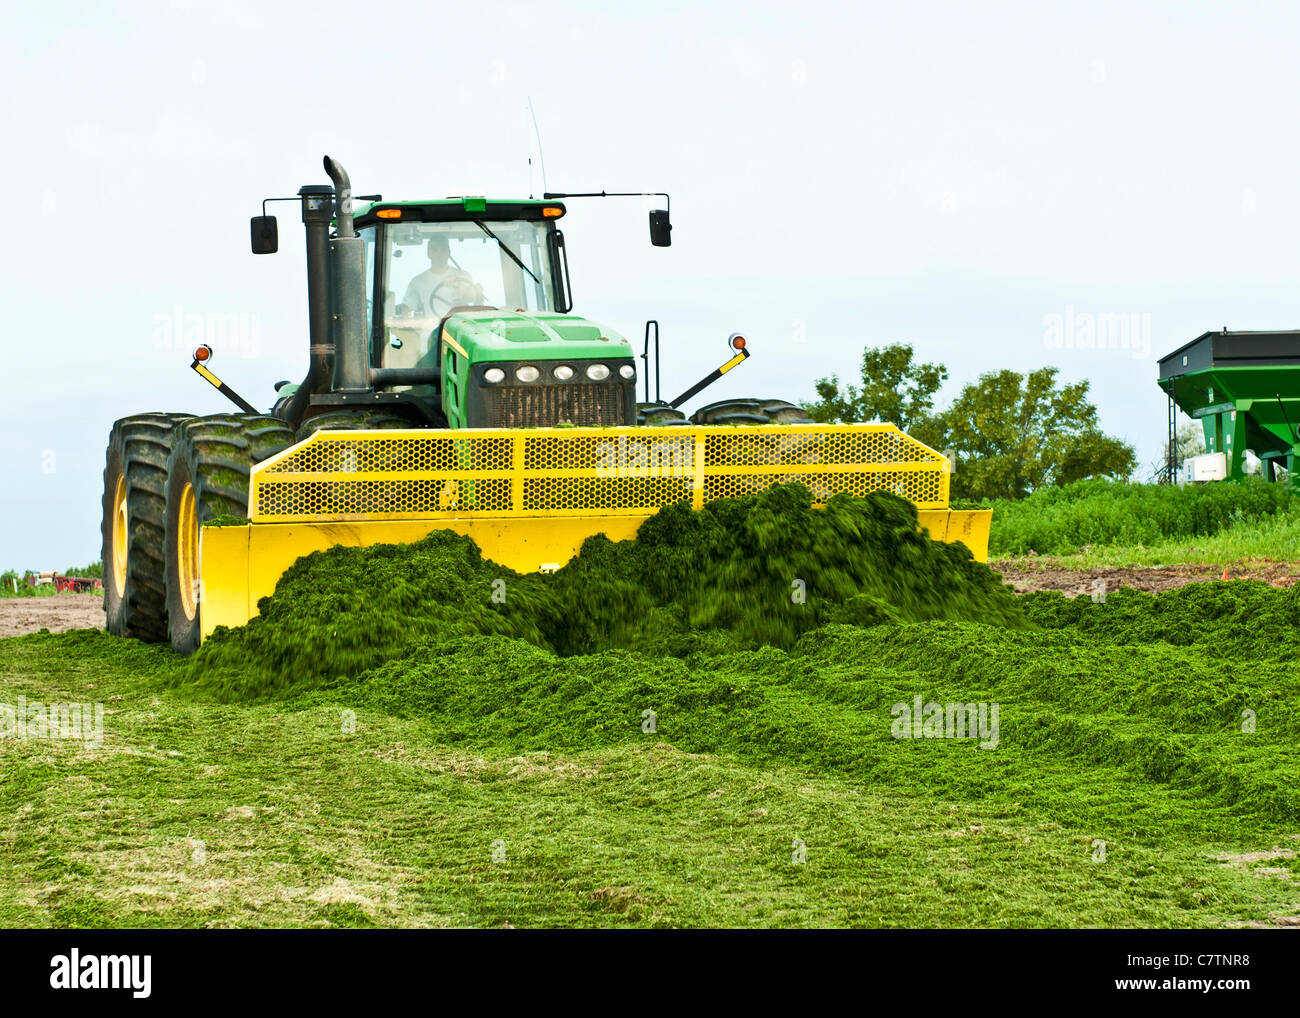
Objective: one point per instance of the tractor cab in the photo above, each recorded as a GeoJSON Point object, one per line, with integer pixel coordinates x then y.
{"type": "Point", "coordinates": [471, 296]}
{"type": "Point", "coordinates": [446, 313]}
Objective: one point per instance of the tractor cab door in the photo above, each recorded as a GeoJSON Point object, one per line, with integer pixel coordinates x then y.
{"type": "Point", "coordinates": [400, 338]}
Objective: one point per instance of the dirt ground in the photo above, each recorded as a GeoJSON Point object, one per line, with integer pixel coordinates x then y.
{"type": "Point", "coordinates": [1026, 575]}
{"type": "Point", "coordinates": [57, 613]}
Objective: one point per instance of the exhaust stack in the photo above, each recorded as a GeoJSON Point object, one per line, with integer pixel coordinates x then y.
{"type": "Point", "coordinates": [347, 285]}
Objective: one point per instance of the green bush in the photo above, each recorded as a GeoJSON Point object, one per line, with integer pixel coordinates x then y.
{"type": "Point", "coordinates": [1060, 521]}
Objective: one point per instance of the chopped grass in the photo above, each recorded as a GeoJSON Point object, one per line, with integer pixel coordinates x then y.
{"type": "Point", "coordinates": [618, 745]}
{"type": "Point", "coordinates": [742, 573]}
{"type": "Point", "coordinates": [302, 822]}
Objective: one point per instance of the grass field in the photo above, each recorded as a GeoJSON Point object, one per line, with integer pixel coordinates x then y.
{"type": "Point", "coordinates": [1102, 524]}
{"type": "Point", "coordinates": [661, 734]}
{"type": "Point", "coordinates": [196, 812]}
{"type": "Point", "coordinates": [1162, 519]}
{"type": "Point", "coordinates": [1267, 539]}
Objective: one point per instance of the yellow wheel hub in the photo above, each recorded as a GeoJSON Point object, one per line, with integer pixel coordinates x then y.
{"type": "Point", "coordinates": [119, 537]}
{"type": "Point", "coordinates": [187, 552]}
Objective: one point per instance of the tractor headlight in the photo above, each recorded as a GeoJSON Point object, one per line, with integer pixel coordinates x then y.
{"type": "Point", "coordinates": [598, 372]}
{"type": "Point", "coordinates": [527, 373]}
{"type": "Point", "coordinates": [494, 375]}
{"type": "Point", "coordinates": [627, 371]}
{"type": "Point", "coordinates": [564, 372]}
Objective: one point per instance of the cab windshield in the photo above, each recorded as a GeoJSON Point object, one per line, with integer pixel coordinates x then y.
{"type": "Point", "coordinates": [432, 268]}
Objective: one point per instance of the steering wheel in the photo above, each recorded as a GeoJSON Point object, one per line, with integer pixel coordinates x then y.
{"type": "Point", "coordinates": [435, 291]}
{"type": "Point", "coordinates": [461, 290]}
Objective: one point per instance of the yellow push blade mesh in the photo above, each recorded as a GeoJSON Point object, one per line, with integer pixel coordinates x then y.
{"type": "Point", "coordinates": [385, 475]}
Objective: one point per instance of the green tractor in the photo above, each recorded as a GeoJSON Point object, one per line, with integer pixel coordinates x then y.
{"type": "Point", "coordinates": [457, 313]}
{"type": "Point", "coordinates": [450, 386]}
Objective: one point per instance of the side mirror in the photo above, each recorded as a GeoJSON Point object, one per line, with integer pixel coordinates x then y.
{"type": "Point", "coordinates": [661, 230]}
{"type": "Point", "coordinates": [264, 234]}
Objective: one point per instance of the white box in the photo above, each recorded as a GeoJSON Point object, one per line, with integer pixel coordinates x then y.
{"type": "Point", "coordinates": [1210, 466]}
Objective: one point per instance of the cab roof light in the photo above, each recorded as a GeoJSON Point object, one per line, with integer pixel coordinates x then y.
{"type": "Point", "coordinates": [389, 214]}
{"type": "Point", "coordinates": [552, 211]}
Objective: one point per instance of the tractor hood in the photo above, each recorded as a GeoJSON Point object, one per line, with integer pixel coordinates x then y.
{"type": "Point", "coordinates": [542, 335]}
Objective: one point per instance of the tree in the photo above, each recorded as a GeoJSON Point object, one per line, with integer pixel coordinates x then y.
{"type": "Point", "coordinates": [1008, 433]}
{"type": "Point", "coordinates": [894, 389]}
{"type": "Point", "coordinates": [1013, 433]}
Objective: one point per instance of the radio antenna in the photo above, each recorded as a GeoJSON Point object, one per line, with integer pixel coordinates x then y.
{"type": "Point", "coordinates": [541, 158]}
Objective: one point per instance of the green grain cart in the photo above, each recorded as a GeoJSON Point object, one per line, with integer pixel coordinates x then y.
{"type": "Point", "coordinates": [1244, 388]}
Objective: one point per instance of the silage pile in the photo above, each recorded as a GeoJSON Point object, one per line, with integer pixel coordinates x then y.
{"type": "Point", "coordinates": [692, 630]}
{"type": "Point", "coordinates": [742, 573]}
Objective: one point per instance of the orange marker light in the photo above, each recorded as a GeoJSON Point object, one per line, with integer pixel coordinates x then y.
{"type": "Point", "coordinates": [389, 213]}
{"type": "Point", "coordinates": [552, 211]}
{"type": "Point", "coordinates": [203, 352]}
{"type": "Point", "coordinates": [738, 342]}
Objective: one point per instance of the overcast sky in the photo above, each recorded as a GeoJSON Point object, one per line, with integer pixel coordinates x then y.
{"type": "Point", "coordinates": [980, 180]}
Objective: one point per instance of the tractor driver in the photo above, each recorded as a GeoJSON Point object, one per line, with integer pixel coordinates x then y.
{"type": "Point", "coordinates": [441, 286]}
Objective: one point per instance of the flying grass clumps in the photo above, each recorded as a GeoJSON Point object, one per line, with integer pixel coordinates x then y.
{"type": "Point", "coordinates": [742, 573]}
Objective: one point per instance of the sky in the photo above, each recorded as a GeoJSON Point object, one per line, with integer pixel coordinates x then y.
{"type": "Point", "coordinates": [986, 182]}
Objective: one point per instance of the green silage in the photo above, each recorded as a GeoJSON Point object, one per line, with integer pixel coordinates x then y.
{"type": "Point", "coordinates": [1130, 713]}
{"type": "Point", "coordinates": [747, 572]}
{"type": "Point", "coordinates": [1237, 619]}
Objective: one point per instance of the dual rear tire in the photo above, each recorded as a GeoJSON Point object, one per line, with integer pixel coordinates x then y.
{"type": "Point", "coordinates": [207, 479]}
{"type": "Point", "coordinates": [727, 411]}
{"type": "Point", "coordinates": [165, 476]}
{"type": "Point", "coordinates": [751, 411]}
{"type": "Point", "coordinates": [134, 515]}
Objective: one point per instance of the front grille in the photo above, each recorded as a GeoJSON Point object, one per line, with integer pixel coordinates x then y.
{"type": "Point", "coordinates": [542, 406]}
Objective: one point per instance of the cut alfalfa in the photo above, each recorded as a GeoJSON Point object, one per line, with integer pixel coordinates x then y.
{"type": "Point", "coordinates": [759, 570]}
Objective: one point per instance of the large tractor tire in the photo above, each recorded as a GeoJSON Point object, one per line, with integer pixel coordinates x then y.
{"type": "Point", "coordinates": [359, 419]}
{"type": "Point", "coordinates": [761, 447]}
{"type": "Point", "coordinates": [135, 477]}
{"type": "Point", "coordinates": [751, 411]}
{"type": "Point", "coordinates": [348, 419]}
{"type": "Point", "coordinates": [207, 477]}
{"type": "Point", "coordinates": [658, 415]}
